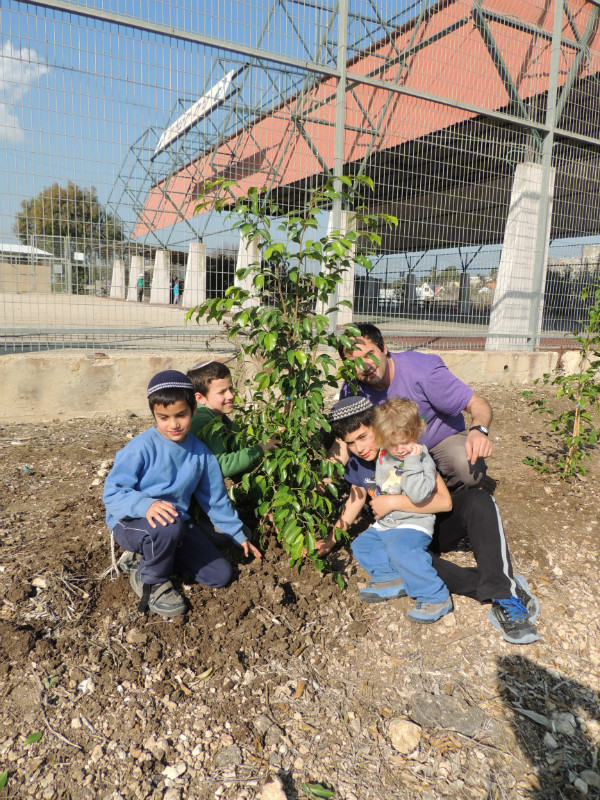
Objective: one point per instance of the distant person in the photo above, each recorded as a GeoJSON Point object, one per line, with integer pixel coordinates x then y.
{"type": "Point", "coordinates": [472, 513]}
{"type": "Point", "coordinates": [459, 454]}
{"type": "Point", "coordinates": [148, 493]}
{"type": "Point", "coordinates": [140, 288]}
{"type": "Point", "coordinates": [396, 545]}
{"type": "Point", "coordinates": [176, 292]}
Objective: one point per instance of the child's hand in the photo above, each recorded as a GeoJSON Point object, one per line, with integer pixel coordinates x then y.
{"type": "Point", "coordinates": [382, 504]}
{"type": "Point", "coordinates": [325, 546]}
{"type": "Point", "coordinates": [270, 444]}
{"type": "Point", "coordinates": [161, 511]}
{"type": "Point", "coordinates": [414, 449]}
{"type": "Point", "coordinates": [250, 549]}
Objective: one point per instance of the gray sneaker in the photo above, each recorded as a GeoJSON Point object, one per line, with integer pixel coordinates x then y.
{"type": "Point", "coordinates": [426, 613]}
{"type": "Point", "coordinates": [159, 597]}
{"type": "Point", "coordinates": [379, 592]}
{"type": "Point", "coordinates": [129, 562]}
{"type": "Point", "coordinates": [511, 618]}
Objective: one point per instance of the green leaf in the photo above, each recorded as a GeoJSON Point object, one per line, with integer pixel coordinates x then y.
{"type": "Point", "coordinates": [34, 737]}
{"type": "Point", "coordinates": [270, 341]}
{"type": "Point", "coordinates": [317, 790]}
{"type": "Point", "coordinates": [3, 778]}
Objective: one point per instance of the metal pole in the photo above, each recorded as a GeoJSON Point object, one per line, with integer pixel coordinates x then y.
{"type": "Point", "coordinates": [539, 267]}
{"type": "Point", "coordinates": [340, 119]}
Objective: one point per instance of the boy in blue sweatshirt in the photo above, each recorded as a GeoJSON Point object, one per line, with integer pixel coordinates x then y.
{"type": "Point", "coordinates": [147, 495]}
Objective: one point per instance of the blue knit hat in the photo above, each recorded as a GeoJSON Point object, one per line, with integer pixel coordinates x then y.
{"type": "Point", "coordinates": [169, 379]}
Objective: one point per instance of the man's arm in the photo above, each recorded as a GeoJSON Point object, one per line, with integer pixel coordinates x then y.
{"type": "Point", "coordinates": [351, 510]}
{"type": "Point", "coordinates": [437, 502]}
{"type": "Point", "coordinates": [478, 445]}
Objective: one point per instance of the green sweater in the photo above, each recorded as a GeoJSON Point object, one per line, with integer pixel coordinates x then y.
{"type": "Point", "coordinates": [217, 434]}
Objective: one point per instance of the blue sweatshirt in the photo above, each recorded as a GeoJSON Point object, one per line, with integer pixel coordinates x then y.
{"type": "Point", "coordinates": [150, 468]}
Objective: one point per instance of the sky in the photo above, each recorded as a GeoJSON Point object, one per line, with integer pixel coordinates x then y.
{"type": "Point", "coordinates": [76, 95]}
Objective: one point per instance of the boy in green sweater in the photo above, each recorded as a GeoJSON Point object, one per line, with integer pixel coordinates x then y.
{"type": "Point", "coordinates": [215, 396]}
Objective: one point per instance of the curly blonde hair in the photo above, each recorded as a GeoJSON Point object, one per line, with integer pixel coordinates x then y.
{"type": "Point", "coordinates": [397, 416]}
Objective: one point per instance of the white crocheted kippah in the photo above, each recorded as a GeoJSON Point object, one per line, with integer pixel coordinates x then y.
{"type": "Point", "coordinates": [349, 406]}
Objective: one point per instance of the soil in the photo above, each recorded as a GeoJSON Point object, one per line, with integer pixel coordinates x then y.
{"type": "Point", "coordinates": [281, 673]}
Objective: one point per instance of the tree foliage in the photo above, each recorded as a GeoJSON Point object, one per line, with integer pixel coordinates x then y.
{"type": "Point", "coordinates": [576, 427]}
{"type": "Point", "coordinates": [69, 211]}
{"type": "Point", "coordinates": [287, 328]}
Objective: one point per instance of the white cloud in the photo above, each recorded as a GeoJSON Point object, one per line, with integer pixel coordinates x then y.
{"type": "Point", "coordinates": [19, 70]}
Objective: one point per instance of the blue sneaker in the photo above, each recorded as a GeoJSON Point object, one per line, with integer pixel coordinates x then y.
{"type": "Point", "coordinates": [379, 592]}
{"type": "Point", "coordinates": [426, 613]}
{"type": "Point", "coordinates": [532, 604]}
{"type": "Point", "coordinates": [511, 618]}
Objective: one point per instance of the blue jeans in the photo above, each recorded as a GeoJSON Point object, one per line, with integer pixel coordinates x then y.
{"type": "Point", "coordinates": [391, 553]}
{"type": "Point", "coordinates": [179, 546]}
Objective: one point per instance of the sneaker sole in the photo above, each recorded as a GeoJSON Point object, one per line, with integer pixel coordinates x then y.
{"type": "Point", "coordinates": [529, 638]}
{"type": "Point", "coordinates": [371, 597]}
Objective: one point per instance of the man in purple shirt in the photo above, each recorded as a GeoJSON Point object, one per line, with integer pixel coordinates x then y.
{"type": "Point", "coordinates": [441, 397]}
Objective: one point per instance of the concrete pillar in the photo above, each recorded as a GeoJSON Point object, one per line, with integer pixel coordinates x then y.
{"type": "Point", "coordinates": [248, 254]}
{"type": "Point", "coordinates": [161, 278]}
{"type": "Point", "coordinates": [135, 270]}
{"type": "Point", "coordinates": [194, 291]}
{"type": "Point", "coordinates": [515, 290]}
{"type": "Point", "coordinates": [117, 284]}
{"type": "Point", "coordinates": [345, 290]}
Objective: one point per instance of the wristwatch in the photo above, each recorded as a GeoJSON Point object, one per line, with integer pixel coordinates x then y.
{"type": "Point", "coordinates": [481, 428]}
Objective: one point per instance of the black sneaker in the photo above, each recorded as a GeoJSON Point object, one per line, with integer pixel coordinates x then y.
{"type": "Point", "coordinates": [531, 602]}
{"type": "Point", "coordinates": [511, 617]}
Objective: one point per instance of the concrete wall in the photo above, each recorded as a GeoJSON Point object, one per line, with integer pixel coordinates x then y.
{"type": "Point", "coordinates": [74, 384]}
{"type": "Point", "coordinates": [25, 278]}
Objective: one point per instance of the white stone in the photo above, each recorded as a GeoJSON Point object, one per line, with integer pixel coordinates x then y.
{"type": "Point", "coordinates": [174, 771]}
{"type": "Point", "coordinates": [273, 790]}
{"type": "Point", "coordinates": [404, 735]}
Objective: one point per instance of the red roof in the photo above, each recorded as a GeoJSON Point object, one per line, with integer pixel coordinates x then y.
{"type": "Point", "coordinates": [456, 66]}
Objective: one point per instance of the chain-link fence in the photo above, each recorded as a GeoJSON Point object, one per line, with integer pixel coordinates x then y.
{"type": "Point", "coordinates": [478, 121]}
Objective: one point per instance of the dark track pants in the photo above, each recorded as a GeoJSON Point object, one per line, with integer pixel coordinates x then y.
{"type": "Point", "coordinates": [475, 516]}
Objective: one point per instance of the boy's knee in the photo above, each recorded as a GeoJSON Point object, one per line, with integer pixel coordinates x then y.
{"type": "Point", "coordinates": [222, 572]}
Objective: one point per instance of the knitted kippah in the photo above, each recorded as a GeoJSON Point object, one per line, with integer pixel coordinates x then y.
{"type": "Point", "coordinates": [202, 364]}
{"type": "Point", "coordinates": [349, 406]}
{"type": "Point", "coordinates": [169, 379]}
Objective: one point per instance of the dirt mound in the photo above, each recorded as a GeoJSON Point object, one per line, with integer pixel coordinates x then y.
{"type": "Point", "coordinates": [280, 672]}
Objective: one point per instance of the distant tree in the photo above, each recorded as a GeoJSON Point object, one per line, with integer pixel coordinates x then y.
{"type": "Point", "coordinates": [61, 214]}
{"type": "Point", "coordinates": [449, 274]}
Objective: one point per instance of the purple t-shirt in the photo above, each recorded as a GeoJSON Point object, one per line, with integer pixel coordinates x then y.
{"type": "Point", "coordinates": [424, 378]}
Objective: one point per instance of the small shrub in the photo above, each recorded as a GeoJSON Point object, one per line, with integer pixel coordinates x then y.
{"type": "Point", "coordinates": [576, 427]}
{"type": "Point", "coordinates": [288, 331]}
